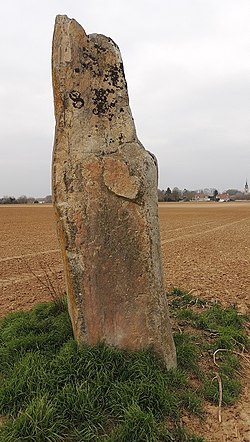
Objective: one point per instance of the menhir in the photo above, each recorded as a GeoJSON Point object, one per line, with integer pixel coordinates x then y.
{"type": "Point", "coordinates": [105, 198]}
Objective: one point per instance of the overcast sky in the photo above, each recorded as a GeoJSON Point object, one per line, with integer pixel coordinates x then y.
{"type": "Point", "coordinates": [187, 64]}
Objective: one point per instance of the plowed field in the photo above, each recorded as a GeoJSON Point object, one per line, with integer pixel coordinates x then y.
{"type": "Point", "coordinates": [206, 249]}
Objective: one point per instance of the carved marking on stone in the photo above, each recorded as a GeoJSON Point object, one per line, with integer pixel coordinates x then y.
{"type": "Point", "coordinates": [75, 96]}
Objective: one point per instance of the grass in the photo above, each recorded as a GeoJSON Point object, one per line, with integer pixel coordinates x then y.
{"type": "Point", "coordinates": [218, 333]}
{"type": "Point", "coordinates": [52, 390]}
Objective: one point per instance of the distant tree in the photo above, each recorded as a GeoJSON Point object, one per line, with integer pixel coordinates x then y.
{"type": "Point", "coordinates": [232, 191]}
{"type": "Point", "coordinates": [176, 194]}
{"type": "Point", "coordinates": [188, 195]}
{"type": "Point", "coordinates": [238, 196]}
{"type": "Point", "coordinates": [215, 194]}
{"type": "Point", "coordinates": [31, 200]}
{"type": "Point", "coordinates": [209, 191]}
{"type": "Point", "coordinates": [48, 199]}
{"type": "Point", "coordinates": [160, 195]}
{"type": "Point", "coordinates": [168, 195]}
{"type": "Point", "coordinates": [8, 200]}
{"type": "Point", "coordinates": [22, 199]}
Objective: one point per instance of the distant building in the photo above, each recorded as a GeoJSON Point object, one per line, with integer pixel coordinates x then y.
{"type": "Point", "coordinates": [246, 188]}
{"type": "Point", "coordinates": [223, 197]}
{"type": "Point", "coordinates": [201, 196]}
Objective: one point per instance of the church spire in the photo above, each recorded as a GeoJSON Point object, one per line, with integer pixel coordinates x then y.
{"type": "Point", "coordinates": [246, 187]}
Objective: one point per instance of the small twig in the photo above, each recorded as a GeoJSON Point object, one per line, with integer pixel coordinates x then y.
{"type": "Point", "coordinates": [217, 376]}
{"type": "Point", "coordinates": [215, 353]}
{"type": "Point", "coordinates": [192, 291]}
{"type": "Point", "coordinates": [214, 332]}
{"type": "Point", "coordinates": [220, 397]}
{"type": "Point", "coordinates": [247, 358]}
{"type": "Point", "coordinates": [240, 345]}
{"type": "Point", "coordinates": [179, 328]}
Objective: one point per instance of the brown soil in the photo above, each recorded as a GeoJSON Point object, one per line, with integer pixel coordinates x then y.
{"type": "Point", "coordinates": [206, 249]}
{"type": "Point", "coordinates": [29, 251]}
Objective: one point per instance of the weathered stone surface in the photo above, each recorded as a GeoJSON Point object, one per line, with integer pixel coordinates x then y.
{"type": "Point", "coordinates": [105, 197]}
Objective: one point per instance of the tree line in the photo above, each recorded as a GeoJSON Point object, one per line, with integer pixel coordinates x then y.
{"type": "Point", "coordinates": [168, 195]}
{"type": "Point", "coordinates": [23, 199]}
{"type": "Point", "coordinates": [211, 194]}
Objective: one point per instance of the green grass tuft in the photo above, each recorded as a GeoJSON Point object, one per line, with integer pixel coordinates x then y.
{"type": "Point", "coordinates": [52, 390]}
{"type": "Point", "coordinates": [38, 421]}
{"type": "Point", "coordinates": [187, 351]}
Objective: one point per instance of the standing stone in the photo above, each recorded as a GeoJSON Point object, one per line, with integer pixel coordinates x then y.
{"type": "Point", "coordinates": [105, 198]}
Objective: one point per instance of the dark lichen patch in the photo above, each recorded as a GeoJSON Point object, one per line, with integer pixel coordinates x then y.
{"type": "Point", "coordinates": [89, 62]}
{"type": "Point", "coordinates": [122, 69]}
{"type": "Point", "coordinates": [113, 103]}
{"type": "Point", "coordinates": [73, 232]}
{"type": "Point", "coordinates": [121, 138]}
{"type": "Point", "coordinates": [102, 103]}
{"type": "Point", "coordinates": [106, 78]}
{"type": "Point", "coordinates": [123, 74]}
{"type": "Point", "coordinates": [86, 54]}
{"type": "Point", "coordinates": [100, 48]}
{"type": "Point", "coordinates": [115, 76]}
{"type": "Point", "coordinates": [114, 43]}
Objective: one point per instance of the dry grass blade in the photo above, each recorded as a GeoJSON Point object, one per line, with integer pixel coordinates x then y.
{"type": "Point", "coordinates": [49, 280]}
